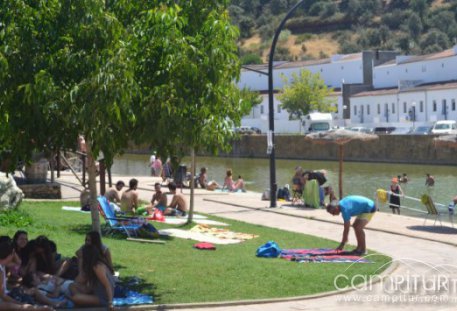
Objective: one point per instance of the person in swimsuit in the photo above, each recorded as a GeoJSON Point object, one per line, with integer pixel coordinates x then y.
{"type": "Point", "coordinates": [395, 193]}
{"type": "Point", "coordinates": [129, 199]}
{"type": "Point", "coordinates": [160, 198]}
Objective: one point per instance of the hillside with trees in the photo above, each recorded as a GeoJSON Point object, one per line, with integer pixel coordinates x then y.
{"type": "Point", "coordinates": [320, 28]}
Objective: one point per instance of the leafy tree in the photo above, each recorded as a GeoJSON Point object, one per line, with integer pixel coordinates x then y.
{"type": "Point", "coordinates": [187, 80]}
{"type": "Point", "coordinates": [443, 21]}
{"type": "Point", "coordinates": [434, 41]}
{"type": "Point", "coordinates": [394, 19]}
{"type": "Point", "coordinates": [305, 92]}
{"type": "Point", "coordinates": [420, 7]}
{"type": "Point", "coordinates": [69, 73]}
{"type": "Point", "coordinates": [415, 26]}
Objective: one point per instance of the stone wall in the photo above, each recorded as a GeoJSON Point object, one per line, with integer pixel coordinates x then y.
{"type": "Point", "coordinates": [388, 148]}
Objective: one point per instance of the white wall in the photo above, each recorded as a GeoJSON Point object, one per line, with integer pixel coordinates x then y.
{"type": "Point", "coordinates": [422, 101]}
{"type": "Point", "coordinates": [441, 69]}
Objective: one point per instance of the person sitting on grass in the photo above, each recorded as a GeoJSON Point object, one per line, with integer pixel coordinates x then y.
{"type": "Point", "coordinates": [6, 302]}
{"type": "Point", "coordinates": [129, 199]}
{"type": "Point", "coordinates": [44, 287]}
{"type": "Point", "coordinates": [160, 198]}
{"type": "Point", "coordinates": [178, 204]}
{"type": "Point", "coordinates": [100, 281]}
{"type": "Point", "coordinates": [349, 206]}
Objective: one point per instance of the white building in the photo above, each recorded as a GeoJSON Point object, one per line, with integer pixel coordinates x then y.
{"type": "Point", "coordinates": [372, 89]}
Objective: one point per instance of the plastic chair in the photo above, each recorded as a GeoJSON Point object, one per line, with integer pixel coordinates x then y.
{"type": "Point", "coordinates": [431, 209]}
{"type": "Point", "coordinates": [123, 224]}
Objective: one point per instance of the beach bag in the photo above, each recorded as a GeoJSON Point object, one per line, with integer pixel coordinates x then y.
{"type": "Point", "coordinates": [158, 215]}
{"type": "Point", "coordinates": [281, 194]}
{"type": "Point", "coordinates": [266, 195]}
{"type": "Point", "coordinates": [268, 250]}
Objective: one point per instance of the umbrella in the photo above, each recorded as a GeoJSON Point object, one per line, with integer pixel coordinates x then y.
{"type": "Point", "coordinates": [339, 137]}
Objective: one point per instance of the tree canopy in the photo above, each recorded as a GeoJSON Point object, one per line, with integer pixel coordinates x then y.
{"type": "Point", "coordinates": [160, 72]}
{"type": "Point", "coordinates": [304, 93]}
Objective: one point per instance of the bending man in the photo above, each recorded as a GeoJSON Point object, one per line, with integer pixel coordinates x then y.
{"type": "Point", "coordinates": [354, 205]}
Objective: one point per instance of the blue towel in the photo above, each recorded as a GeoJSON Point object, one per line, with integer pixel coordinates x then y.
{"type": "Point", "coordinates": [133, 298]}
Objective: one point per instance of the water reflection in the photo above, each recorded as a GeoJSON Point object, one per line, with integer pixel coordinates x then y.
{"type": "Point", "coordinates": [358, 178]}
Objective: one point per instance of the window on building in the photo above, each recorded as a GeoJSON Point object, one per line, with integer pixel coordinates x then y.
{"type": "Point", "coordinates": [434, 105]}
{"type": "Point", "coordinates": [424, 68]}
{"type": "Point", "coordinates": [406, 70]}
{"type": "Point", "coordinates": [368, 109]}
{"type": "Point", "coordinates": [386, 109]}
{"type": "Point", "coordinates": [421, 106]}
{"type": "Point", "coordinates": [444, 106]}
{"type": "Point", "coordinates": [393, 108]}
{"type": "Point", "coordinates": [342, 67]}
{"type": "Point", "coordinates": [379, 108]}
{"type": "Point", "coordinates": [355, 110]}
{"type": "Point", "coordinates": [261, 109]}
{"type": "Point", "coordinates": [453, 104]}
{"type": "Point", "coordinates": [405, 108]}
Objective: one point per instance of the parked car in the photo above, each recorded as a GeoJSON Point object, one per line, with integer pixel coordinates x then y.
{"type": "Point", "coordinates": [444, 127]}
{"type": "Point", "coordinates": [256, 130]}
{"type": "Point", "coordinates": [361, 129]}
{"type": "Point", "coordinates": [383, 130]}
{"type": "Point", "coordinates": [401, 131]}
{"type": "Point", "coordinates": [244, 130]}
{"type": "Point", "coordinates": [421, 130]}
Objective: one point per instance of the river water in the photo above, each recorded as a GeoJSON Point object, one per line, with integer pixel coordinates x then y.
{"type": "Point", "coordinates": [358, 178]}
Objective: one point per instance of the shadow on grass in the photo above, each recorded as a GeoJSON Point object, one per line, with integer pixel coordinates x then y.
{"type": "Point", "coordinates": [434, 229]}
{"type": "Point", "coordinates": [81, 228]}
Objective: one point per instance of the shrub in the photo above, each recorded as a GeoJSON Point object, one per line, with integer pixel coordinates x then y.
{"type": "Point", "coordinates": [16, 218]}
{"type": "Point", "coordinates": [250, 59]}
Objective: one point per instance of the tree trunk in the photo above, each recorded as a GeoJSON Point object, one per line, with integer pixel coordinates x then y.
{"type": "Point", "coordinates": [92, 173]}
{"type": "Point", "coordinates": [192, 186]}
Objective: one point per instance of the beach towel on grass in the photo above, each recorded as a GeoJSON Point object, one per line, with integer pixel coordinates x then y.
{"type": "Point", "coordinates": [320, 255]}
{"type": "Point", "coordinates": [132, 298]}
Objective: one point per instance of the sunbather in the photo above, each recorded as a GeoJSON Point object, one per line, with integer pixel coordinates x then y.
{"type": "Point", "coordinates": [178, 204]}
{"type": "Point", "coordinates": [160, 198]}
{"type": "Point", "coordinates": [129, 199]}
{"type": "Point", "coordinates": [113, 193]}
{"type": "Point", "coordinates": [203, 181]}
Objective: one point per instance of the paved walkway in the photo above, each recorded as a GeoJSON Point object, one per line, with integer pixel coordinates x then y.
{"type": "Point", "coordinates": [424, 255]}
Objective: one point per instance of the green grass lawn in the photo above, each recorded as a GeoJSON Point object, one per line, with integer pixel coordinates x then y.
{"type": "Point", "coordinates": [176, 273]}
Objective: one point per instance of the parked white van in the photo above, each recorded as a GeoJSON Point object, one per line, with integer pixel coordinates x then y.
{"type": "Point", "coordinates": [317, 122]}
{"type": "Point", "coordinates": [444, 127]}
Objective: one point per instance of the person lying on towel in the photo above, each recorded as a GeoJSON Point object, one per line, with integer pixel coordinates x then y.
{"type": "Point", "coordinates": [354, 205]}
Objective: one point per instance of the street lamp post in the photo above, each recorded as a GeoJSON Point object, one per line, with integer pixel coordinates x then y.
{"type": "Point", "coordinates": [271, 149]}
{"type": "Point", "coordinates": [413, 113]}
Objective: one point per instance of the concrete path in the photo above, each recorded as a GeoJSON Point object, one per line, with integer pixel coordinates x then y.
{"type": "Point", "coordinates": [425, 256]}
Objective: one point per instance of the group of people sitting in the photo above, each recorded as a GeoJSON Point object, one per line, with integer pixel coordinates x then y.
{"type": "Point", "coordinates": [301, 177]}
{"type": "Point", "coordinates": [33, 276]}
{"type": "Point", "coordinates": [229, 183]}
{"type": "Point", "coordinates": [129, 200]}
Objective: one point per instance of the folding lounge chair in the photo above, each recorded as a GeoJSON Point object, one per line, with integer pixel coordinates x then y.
{"type": "Point", "coordinates": [123, 224]}
{"type": "Point", "coordinates": [431, 209]}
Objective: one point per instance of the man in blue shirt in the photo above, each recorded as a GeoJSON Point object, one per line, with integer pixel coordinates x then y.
{"type": "Point", "coordinates": [354, 205]}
